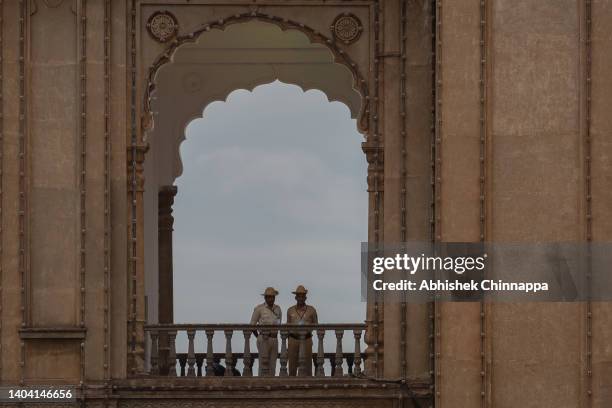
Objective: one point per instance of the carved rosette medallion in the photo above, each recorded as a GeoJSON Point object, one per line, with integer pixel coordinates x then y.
{"type": "Point", "coordinates": [347, 28]}
{"type": "Point", "coordinates": [162, 26]}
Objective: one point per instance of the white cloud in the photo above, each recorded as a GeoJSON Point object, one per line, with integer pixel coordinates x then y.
{"type": "Point", "coordinates": [272, 194]}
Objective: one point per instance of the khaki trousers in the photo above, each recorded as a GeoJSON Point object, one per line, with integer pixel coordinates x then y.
{"type": "Point", "coordinates": [267, 347]}
{"type": "Point", "coordinates": [294, 356]}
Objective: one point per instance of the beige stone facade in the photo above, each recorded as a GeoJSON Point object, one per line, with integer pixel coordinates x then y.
{"type": "Point", "coordinates": [483, 120]}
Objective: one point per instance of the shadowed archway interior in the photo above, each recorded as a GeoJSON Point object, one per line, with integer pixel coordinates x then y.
{"type": "Point", "coordinates": [240, 56]}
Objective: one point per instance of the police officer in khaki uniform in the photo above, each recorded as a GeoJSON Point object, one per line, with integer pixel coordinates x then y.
{"type": "Point", "coordinates": [267, 340]}
{"type": "Point", "coordinates": [300, 314]}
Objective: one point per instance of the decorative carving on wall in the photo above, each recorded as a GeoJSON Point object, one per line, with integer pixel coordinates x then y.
{"type": "Point", "coordinates": [340, 56]}
{"type": "Point", "coordinates": [375, 156]}
{"type": "Point", "coordinates": [347, 28]}
{"type": "Point", "coordinates": [162, 26]}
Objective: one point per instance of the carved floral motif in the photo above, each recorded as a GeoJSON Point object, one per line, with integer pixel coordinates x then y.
{"type": "Point", "coordinates": [314, 36]}
{"type": "Point", "coordinates": [347, 28]}
{"type": "Point", "coordinates": [162, 26]}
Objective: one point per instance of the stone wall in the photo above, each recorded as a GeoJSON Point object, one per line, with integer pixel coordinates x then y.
{"type": "Point", "coordinates": [520, 151]}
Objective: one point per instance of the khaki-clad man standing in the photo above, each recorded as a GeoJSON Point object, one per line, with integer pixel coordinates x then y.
{"type": "Point", "coordinates": [267, 340]}
{"type": "Point", "coordinates": [300, 314]}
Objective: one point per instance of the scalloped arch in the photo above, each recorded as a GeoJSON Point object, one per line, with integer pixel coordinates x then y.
{"type": "Point", "coordinates": [339, 56]}
{"type": "Point", "coordinates": [199, 114]}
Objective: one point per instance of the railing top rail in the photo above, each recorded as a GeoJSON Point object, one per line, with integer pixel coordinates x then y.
{"type": "Point", "coordinates": [240, 326]}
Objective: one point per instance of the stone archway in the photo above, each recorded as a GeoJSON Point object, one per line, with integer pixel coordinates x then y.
{"type": "Point", "coordinates": [242, 55]}
{"type": "Point", "coordinates": [278, 48]}
{"type": "Point", "coordinates": [314, 37]}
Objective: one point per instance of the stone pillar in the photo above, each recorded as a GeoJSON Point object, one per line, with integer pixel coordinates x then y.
{"type": "Point", "coordinates": [599, 360]}
{"type": "Point", "coordinates": [374, 335]}
{"type": "Point", "coordinates": [391, 128]}
{"type": "Point", "coordinates": [136, 340]}
{"type": "Point", "coordinates": [165, 298]}
{"type": "Point", "coordinates": [165, 227]}
{"type": "Point", "coordinates": [459, 368]}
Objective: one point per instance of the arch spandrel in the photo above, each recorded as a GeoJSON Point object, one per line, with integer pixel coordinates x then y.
{"type": "Point", "coordinates": [242, 56]}
{"type": "Point", "coordinates": [155, 54]}
{"type": "Point", "coordinates": [316, 20]}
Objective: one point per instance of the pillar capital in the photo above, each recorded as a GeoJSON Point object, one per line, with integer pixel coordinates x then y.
{"type": "Point", "coordinates": [168, 191]}
{"type": "Point", "coordinates": [135, 157]}
{"type": "Point", "coordinates": [137, 152]}
{"type": "Point", "coordinates": [375, 156]}
{"type": "Point", "coordinates": [166, 196]}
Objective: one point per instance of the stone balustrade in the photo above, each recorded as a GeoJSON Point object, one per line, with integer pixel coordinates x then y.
{"type": "Point", "coordinates": [165, 361]}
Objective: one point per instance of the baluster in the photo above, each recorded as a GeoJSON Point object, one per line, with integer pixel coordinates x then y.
{"type": "Point", "coordinates": [199, 363]}
{"type": "Point", "coordinates": [357, 357]}
{"type": "Point", "coordinates": [349, 363]}
{"type": "Point", "coordinates": [191, 353]}
{"type": "Point", "coordinates": [247, 359]}
{"type": "Point", "coordinates": [332, 363]}
{"type": "Point", "coordinates": [228, 352]}
{"type": "Point", "coordinates": [172, 353]}
{"type": "Point", "coordinates": [182, 360]}
{"type": "Point", "coordinates": [254, 356]}
{"type": "Point", "coordinates": [154, 352]}
{"type": "Point", "coordinates": [283, 355]}
{"type": "Point", "coordinates": [210, 358]}
{"type": "Point", "coordinates": [338, 372]}
{"type": "Point", "coordinates": [234, 362]}
{"type": "Point", "coordinates": [301, 371]}
{"type": "Point", "coordinates": [320, 354]}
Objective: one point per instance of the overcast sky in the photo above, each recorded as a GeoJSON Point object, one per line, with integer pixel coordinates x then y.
{"type": "Point", "coordinates": [273, 193]}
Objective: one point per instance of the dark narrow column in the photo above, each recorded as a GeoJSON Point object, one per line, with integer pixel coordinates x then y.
{"type": "Point", "coordinates": [165, 300]}
{"type": "Point", "coordinates": [166, 222]}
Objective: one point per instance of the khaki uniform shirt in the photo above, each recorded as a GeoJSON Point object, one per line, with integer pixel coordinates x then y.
{"type": "Point", "coordinates": [266, 315]}
{"type": "Point", "coordinates": [307, 316]}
